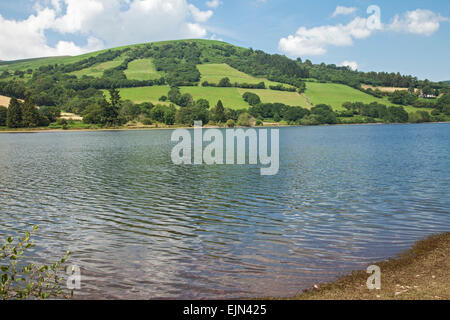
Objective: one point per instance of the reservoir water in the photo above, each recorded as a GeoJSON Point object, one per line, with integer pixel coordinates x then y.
{"type": "Point", "coordinates": [142, 227]}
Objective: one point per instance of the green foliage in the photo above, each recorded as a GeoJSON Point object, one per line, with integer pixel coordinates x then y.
{"type": "Point", "coordinates": [24, 281]}
{"type": "Point", "coordinates": [444, 103]}
{"type": "Point", "coordinates": [30, 114]}
{"type": "Point", "coordinates": [230, 123]}
{"type": "Point", "coordinates": [403, 98]}
{"type": "Point", "coordinates": [419, 117]}
{"type": "Point", "coordinates": [14, 115]}
{"type": "Point", "coordinates": [224, 82]}
{"type": "Point", "coordinates": [3, 115]}
{"type": "Point", "coordinates": [324, 114]}
{"type": "Point", "coordinates": [218, 113]}
{"type": "Point", "coordinates": [396, 115]}
{"type": "Point", "coordinates": [244, 120]}
{"type": "Point", "coordinates": [252, 98]}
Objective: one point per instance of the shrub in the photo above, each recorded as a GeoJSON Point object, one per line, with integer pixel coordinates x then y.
{"type": "Point", "coordinates": [147, 122]}
{"type": "Point", "coordinates": [244, 120]}
{"type": "Point", "coordinates": [22, 281]}
{"type": "Point", "coordinates": [230, 123]}
{"type": "Point", "coordinates": [259, 123]}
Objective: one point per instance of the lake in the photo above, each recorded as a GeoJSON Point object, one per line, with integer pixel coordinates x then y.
{"type": "Point", "coordinates": [141, 227]}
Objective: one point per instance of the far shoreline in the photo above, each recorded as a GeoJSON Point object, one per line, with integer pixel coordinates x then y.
{"type": "Point", "coordinates": [50, 130]}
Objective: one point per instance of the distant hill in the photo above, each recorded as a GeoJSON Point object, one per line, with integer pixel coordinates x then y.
{"type": "Point", "coordinates": [206, 69]}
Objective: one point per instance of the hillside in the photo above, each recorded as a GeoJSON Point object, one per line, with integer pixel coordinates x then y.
{"type": "Point", "coordinates": [201, 69]}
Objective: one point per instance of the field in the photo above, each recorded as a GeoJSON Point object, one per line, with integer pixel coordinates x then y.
{"type": "Point", "coordinates": [98, 69]}
{"type": "Point", "coordinates": [4, 101]}
{"type": "Point", "coordinates": [230, 97]}
{"type": "Point", "coordinates": [142, 69]}
{"type": "Point", "coordinates": [386, 89]}
{"type": "Point", "coordinates": [144, 94]}
{"type": "Point", "coordinates": [335, 95]}
{"type": "Point", "coordinates": [213, 73]}
{"type": "Point", "coordinates": [272, 96]}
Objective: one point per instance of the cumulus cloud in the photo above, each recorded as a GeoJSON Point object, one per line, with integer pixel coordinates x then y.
{"type": "Point", "coordinates": [316, 41]}
{"type": "Point", "coordinates": [102, 23]}
{"type": "Point", "coordinates": [420, 21]}
{"type": "Point", "coordinates": [353, 65]}
{"type": "Point", "coordinates": [200, 16]}
{"type": "Point", "coordinates": [213, 3]}
{"type": "Point", "coordinates": [340, 10]}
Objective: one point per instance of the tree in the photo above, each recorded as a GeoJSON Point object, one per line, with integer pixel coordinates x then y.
{"type": "Point", "coordinates": [252, 98]}
{"type": "Point", "coordinates": [3, 115]}
{"type": "Point", "coordinates": [225, 82]}
{"type": "Point", "coordinates": [14, 116]}
{"type": "Point", "coordinates": [397, 114]}
{"type": "Point", "coordinates": [443, 102]}
{"type": "Point", "coordinates": [30, 114]}
{"type": "Point", "coordinates": [324, 114]}
{"type": "Point", "coordinates": [218, 113]}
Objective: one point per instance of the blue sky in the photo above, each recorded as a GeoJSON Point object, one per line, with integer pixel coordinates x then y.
{"type": "Point", "coordinates": [410, 37]}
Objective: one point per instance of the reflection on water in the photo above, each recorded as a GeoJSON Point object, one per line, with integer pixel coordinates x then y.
{"type": "Point", "coordinates": [141, 227]}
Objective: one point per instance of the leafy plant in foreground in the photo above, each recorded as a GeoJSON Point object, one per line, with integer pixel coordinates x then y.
{"type": "Point", "coordinates": [28, 281]}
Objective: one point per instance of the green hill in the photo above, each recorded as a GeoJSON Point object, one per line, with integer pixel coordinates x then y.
{"type": "Point", "coordinates": [201, 69]}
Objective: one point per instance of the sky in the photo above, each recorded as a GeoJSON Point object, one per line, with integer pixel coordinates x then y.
{"type": "Point", "coordinates": [410, 37]}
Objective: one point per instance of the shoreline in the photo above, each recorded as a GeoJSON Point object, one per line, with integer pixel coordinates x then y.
{"type": "Point", "coordinates": [419, 273]}
{"type": "Point", "coordinates": [49, 130]}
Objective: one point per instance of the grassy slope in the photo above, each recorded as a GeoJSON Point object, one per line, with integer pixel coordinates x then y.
{"type": "Point", "coordinates": [328, 93]}
{"type": "Point", "coordinates": [335, 95]}
{"type": "Point", "coordinates": [215, 72]}
{"type": "Point", "coordinates": [271, 96]}
{"type": "Point", "coordinates": [230, 97]}
{"type": "Point", "coordinates": [98, 69]}
{"type": "Point", "coordinates": [144, 94]}
{"type": "Point", "coordinates": [142, 69]}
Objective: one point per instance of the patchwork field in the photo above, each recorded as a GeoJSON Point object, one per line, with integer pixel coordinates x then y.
{"type": "Point", "coordinates": [213, 73]}
{"type": "Point", "coordinates": [335, 95]}
{"type": "Point", "coordinates": [231, 97]}
{"type": "Point", "coordinates": [144, 94]}
{"type": "Point", "coordinates": [272, 96]}
{"type": "Point", "coordinates": [142, 69]}
{"type": "Point", "coordinates": [98, 69]}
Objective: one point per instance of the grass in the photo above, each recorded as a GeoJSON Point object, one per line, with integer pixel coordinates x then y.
{"type": "Point", "coordinates": [98, 69]}
{"type": "Point", "coordinates": [142, 69]}
{"type": "Point", "coordinates": [231, 97]}
{"type": "Point", "coordinates": [213, 73]}
{"type": "Point", "coordinates": [421, 273]}
{"type": "Point", "coordinates": [335, 95]}
{"type": "Point", "coordinates": [144, 94]}
{"type": "Point", "coordinates": [272, 96]}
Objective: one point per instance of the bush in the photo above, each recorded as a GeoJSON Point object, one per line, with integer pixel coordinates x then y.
{"type": "Point", "coordinates": [230, 123]}
{"type": "Point", "coordinates": [244, 120]}
{"type": "Point", "coordinates": [147, 122]}
{"type": "Point", "coordinates": [259, 123]}
{"type": "Point", "coordinates": [22, 281]}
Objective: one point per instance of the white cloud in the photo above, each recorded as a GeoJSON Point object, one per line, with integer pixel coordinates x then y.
{"type": "Point", "coordinates": [198, 15]}
{"type": "Point", "coordinates": [420, 21]}
{"type": "Point", "coordinates": [315, 41]}
{"type": "Point", "coordinates": [213, 3]}
{"type": "Point", "coordinates": [340, 10]}
{"type": "Point", "coordinates": [353, 65]}
{"type": "Point", "coordinates": [102, 23]}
